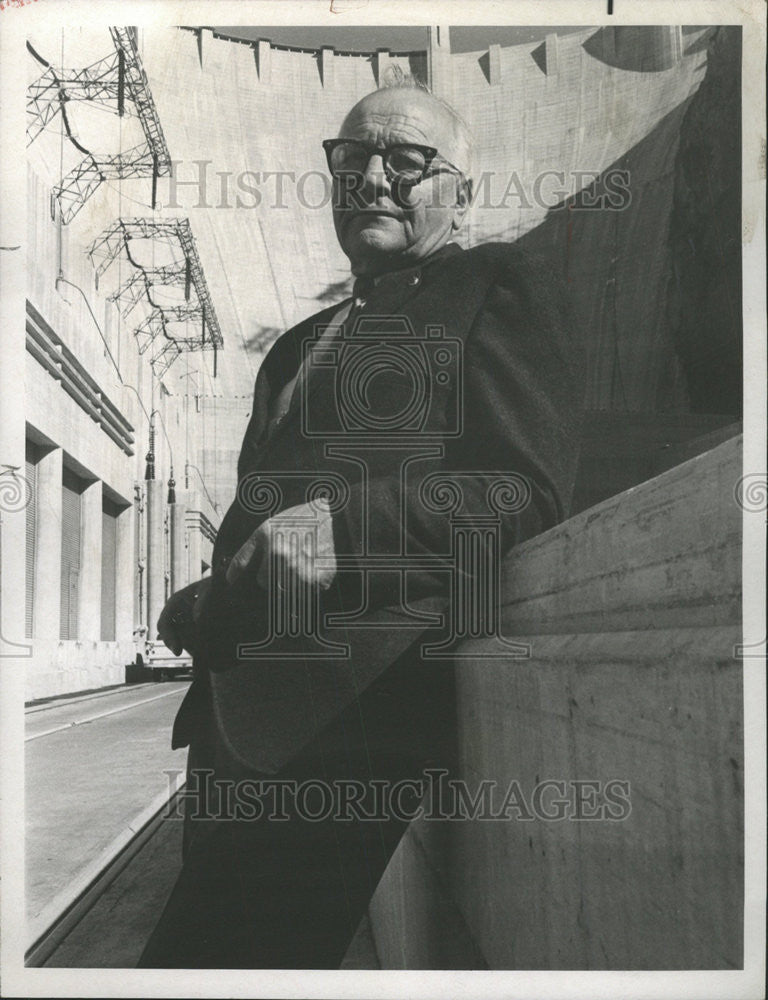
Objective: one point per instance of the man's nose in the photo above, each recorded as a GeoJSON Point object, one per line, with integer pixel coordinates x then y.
{"type": "Point", "coordinates": [374, 175]}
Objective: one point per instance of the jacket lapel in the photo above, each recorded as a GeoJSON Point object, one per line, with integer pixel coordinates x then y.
{"type": "Point", "coordinates": [278, 368]}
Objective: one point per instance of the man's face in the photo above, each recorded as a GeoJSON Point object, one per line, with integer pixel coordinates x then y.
{"type": "Point", "coordinates": [383, 226]}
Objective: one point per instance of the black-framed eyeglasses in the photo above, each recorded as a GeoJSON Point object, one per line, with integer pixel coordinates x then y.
{"type": "Point", "coordinates": [405, 163]}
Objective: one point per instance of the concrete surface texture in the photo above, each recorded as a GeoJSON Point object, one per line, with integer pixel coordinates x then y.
{"type": "Point", "coordinates": [113, 933]}
{"type": "Point", "coordinates": [85, 783]}
{"type": "Point", "coordinates": [657, 285]}
{"type": "Point", "coordinates": [634, 675]}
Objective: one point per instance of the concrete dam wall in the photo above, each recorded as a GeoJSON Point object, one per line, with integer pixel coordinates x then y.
{"type": "Point", "coordinates": [548, 118]}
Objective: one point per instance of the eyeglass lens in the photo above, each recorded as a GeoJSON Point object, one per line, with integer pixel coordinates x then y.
{"type": "Point", "coordinates": [407, 163]}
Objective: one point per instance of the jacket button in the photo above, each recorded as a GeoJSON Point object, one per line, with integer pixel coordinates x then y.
{"type": "Point", "coordinates": [414, 279]}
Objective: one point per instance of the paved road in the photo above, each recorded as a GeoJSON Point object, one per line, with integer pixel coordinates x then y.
{"type": "Point", "coordinates": [92, 765]}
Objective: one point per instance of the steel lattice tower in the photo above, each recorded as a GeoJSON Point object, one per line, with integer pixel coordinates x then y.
{"type": "Point", "coordinates": [117, 82]}
{"type": "Point", "coordinates": [185, 270]}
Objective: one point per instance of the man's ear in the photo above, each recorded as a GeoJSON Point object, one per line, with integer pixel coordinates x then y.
{"type": "Point", "coordinates": [463, 201]}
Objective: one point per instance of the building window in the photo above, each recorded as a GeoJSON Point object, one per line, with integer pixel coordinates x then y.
{"type": "Point", "coordinates": [109, 515]}
{"type": "Point", "coordinates": [31, 460]}
{"type": "Point", "coordinates": [71, 543]}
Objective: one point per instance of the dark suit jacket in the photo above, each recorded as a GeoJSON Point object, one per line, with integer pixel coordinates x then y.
{"type": "Point", "coordinates": [495, 367]}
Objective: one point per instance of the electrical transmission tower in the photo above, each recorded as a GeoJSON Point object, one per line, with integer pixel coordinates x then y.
{"type": "Point", "coordinates": [117, 82]}
{"type": "Point", "coordinates": [185, 270]}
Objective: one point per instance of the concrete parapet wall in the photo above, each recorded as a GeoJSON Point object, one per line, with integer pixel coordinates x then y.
{"type": "Point", "coordinates": [666, 554]}
{"type": "Point", "coordinates": [632, 613]}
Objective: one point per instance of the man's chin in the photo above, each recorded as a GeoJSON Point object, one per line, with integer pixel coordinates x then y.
{"type": "Point", "coordinates": [373, 241]}
{"type": "Point", "coordinates": [376, 227]}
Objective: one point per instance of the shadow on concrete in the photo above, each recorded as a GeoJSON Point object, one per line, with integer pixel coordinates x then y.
{"type": "Point", "coordinates": [484, 62]}
{"type": "Point", "coordinates": [262, 338]}
{"type": "Point", "coordinates": [639, 49]}
{"type": "Point", "coordinates": [701, 42]}
{"type": "Point", "coordinates": [335, 291]}
{"type": "Point", "coordinates": [656, 284]}
{"type": "Point", "coordinates": [655, 288]}
{"type": "Point", "coordinates": [539, 57]}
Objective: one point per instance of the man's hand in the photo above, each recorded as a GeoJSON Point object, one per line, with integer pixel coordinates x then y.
{"type": "Point", "coordinates": [177, 624]}
{"type": "Point", "coordinates": [287, 547]}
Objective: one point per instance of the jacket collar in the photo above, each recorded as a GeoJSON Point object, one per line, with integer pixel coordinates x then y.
{"type": "Point", "coordinates": [388, 289]}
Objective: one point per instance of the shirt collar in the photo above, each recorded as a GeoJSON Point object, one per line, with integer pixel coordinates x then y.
{"type": "Point", "coordinates": [409, 276]}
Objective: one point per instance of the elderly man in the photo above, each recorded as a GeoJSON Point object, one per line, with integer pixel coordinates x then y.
{"type": "Point", "coordinates": [377, 426]}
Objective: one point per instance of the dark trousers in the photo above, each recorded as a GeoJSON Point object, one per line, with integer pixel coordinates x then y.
{"type": "Point", "coordinates": [270, 893]}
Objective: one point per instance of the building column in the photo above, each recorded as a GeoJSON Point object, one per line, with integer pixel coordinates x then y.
{"type": "Point", "coordinates": [47, 610]}
{"type": "Point", "coordinates": [194, 539]}
{"type": "Point", "coordinates": [13, 492]}
{"type": "Point", "coordinates": [551, 54]}
{"type": "Point", "coordinates": [204, 40]}
{"type": "Point", "coordinates": [381, 63]}
{"type": "Point", "coordinates": [439, 53]}
{"type": "Point", "coordinates": [264, 61]}
{"type": "Point", "coordinates": [179, 567]}
{"type": "Point", "coordinates": [494, 65]}
{"type": "Point", "coordinates": [327, 55]}
{"type": "Point", "coordinates": [89, 610]}
{"type": "Point", "coordinates": [155, 565]}
{"type": "Point", "coordinates": [14, 648]}
{"type": "Point", "coordinates": [124, 576]}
